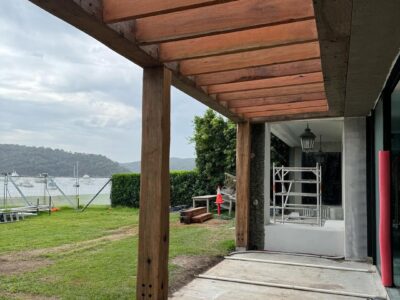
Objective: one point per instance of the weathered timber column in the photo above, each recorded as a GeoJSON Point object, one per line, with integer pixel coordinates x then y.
{"type": "Point", "coordinates": [152, 277]}
{"type": "Point", "coordinates": [242, 185]}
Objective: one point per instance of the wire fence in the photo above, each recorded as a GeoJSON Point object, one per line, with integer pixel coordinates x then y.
{"type": "Point", "coordinates": [19, 191]}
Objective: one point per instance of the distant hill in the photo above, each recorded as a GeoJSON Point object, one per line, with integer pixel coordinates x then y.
{"type": "Point", "coordinates": [175, 164]}
{"type": "Point", "coordinates": [30, 161]}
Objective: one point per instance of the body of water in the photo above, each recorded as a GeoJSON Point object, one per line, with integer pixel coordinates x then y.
{"type": "Point", "coordinates": [36, 190]}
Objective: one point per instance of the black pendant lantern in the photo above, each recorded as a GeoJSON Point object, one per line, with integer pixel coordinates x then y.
{"type": "Point", "coordinates": [307, 140]}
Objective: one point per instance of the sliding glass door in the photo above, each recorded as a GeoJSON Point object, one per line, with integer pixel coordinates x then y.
{"type": "Point", "coordinates": [395, 151]}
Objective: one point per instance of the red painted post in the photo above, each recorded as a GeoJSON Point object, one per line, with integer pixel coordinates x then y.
{"type": "Point", "coordinates": [384, 218]}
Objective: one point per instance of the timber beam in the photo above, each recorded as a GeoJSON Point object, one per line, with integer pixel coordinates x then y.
{"type": "Point", "coordinates": [121, 10]}
{"type": "Point", "coordinates": [260, 72]}
{"type": "Point", "coordinates": [239, 41]}
{"type": "Point", "coordinates": [281, 106]}
{"type": "Point", "coordinates": [269, 56]}
{"type": "Point", "coordinates": [247, 103]}
{"type": "Point", "coordinates": [273, 92]}
{"type": "Point", "coordinates": [221, 18]}
{"type": "Point", "coordinates": [299, 116]}
{"type": "Point", "coordinates": [287, 112]}
{"type": "Point", "coordinates": [266, 83]}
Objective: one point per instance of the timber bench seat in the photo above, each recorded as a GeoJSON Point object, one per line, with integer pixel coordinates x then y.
{"type": "Point", "coordinates": [202, 218]}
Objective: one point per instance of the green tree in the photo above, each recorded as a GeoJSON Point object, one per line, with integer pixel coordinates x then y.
{"type": "Point", "coordinates": [230, 150]}
{"type": "Point", "coordinates": [215, 142]}
{"type": "Point", "coordinates": [215, 145]}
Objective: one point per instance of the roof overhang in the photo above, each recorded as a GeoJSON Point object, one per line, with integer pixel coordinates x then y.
{"type": "Point", "coordinates": [250, 60]}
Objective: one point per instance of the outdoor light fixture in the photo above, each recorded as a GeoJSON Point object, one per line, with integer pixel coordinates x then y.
{"type": "Point", "coordinates": [307, 140]}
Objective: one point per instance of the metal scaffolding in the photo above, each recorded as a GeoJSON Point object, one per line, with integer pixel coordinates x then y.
{"type": "Point", "coordinates": [284, 187]}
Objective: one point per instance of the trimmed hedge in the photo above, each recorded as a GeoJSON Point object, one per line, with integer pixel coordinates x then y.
{"type": "Point", "coordinates": [125, 189]}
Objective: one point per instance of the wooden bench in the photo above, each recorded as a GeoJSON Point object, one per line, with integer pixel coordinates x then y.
{"type": "Point", "coordinates": [206, 198]}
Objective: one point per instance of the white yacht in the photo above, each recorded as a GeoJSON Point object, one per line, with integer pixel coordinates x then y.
{"type": "Point", "coordinates": [86, 179]}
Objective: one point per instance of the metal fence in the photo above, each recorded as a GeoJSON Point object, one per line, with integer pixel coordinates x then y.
{"type": "Point", "coordinates": [22, 191]}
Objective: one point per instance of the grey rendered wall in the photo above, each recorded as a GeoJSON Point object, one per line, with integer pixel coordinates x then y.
{"type": "Point", "coordinates": [354, 188]}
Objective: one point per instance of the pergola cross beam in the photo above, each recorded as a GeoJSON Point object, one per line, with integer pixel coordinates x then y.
{"type": "Point", "coordinates": [239, 41]}
{"type": "Point", "coordinates": [269, 56]}
{"type": "Point", "coordinates": [266, 83]}
{"type": "Point", "coordinates": [221, 18]}
{"type": "Point", "coordinates": [260, 72]}
{"type": "Point", "coordinates": [121, 10]}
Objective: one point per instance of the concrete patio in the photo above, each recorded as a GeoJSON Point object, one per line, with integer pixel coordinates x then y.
{"type": "Point", "coordinates": [280, 276]}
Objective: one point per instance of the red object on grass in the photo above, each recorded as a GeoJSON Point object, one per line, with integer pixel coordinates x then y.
{"type": "Point", "coordinates": [384, 218]}
{"type": "Point", "coordinates": [219, 201]}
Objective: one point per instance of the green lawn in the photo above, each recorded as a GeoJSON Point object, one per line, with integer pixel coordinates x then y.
{"type": "Point", "coordinates": [92, 255]}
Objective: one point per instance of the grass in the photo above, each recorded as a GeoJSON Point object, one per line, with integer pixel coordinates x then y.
{"type": "Point", "coordinates": [87, 266]}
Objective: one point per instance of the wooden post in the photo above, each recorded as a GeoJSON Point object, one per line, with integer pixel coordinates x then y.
{"type": "Point", "coordinates": [152, 277]}
{"type": "Point", "coordinates": [242, 185]}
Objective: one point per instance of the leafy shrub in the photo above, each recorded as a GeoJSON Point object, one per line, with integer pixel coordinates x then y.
{"type": "Point", "coordinates": [125, 189]}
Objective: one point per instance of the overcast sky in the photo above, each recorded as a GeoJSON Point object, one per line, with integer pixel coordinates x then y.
{"type": "Point", "coordinates": [60, 88]}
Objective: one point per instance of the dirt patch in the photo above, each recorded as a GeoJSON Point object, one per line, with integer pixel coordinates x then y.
{"type": "Point", "coordinates": [26, 261]}
{"type": "Point", "coordinates": [213, 223]}
{"type": "Point", "coordinates": [13, 264]}
{"type": "Point", "coordinates": [113, 235]}
{"type": "Point", "coordinates": [22, 296]}
{"type": "Point", "coordinates": [188, 268]}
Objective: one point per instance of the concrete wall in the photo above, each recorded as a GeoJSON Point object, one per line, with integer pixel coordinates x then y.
{"type": "Point", "coordinates": [355, 188]}
{"type": "Point", "coordinates": [298, 238]}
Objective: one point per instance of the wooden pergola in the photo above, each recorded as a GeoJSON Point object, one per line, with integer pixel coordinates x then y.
{"type": "Point", "coordinates": [250, 60]}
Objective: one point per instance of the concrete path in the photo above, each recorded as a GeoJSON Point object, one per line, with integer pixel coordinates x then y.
{"type": "Point", "coordinates": [256, 276]}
